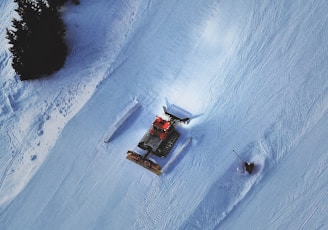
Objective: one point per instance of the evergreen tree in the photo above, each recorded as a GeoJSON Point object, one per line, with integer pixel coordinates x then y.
{"type": "Point", "coordinates": [37, 40]}
{"type": "Point", "coordinates": [57, 3]}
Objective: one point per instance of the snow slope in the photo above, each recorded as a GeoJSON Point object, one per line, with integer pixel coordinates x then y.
{"type": "Point", "coordinates": [34, 113]}
{"type": "Point", "coordinates": [252, 74]}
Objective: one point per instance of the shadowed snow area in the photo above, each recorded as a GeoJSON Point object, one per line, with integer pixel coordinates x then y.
{"type": "Point", "coordinates": [252, 76]}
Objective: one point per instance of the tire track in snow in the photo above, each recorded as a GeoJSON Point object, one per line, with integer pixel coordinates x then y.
{"type": "Point", "coordinates": [275, 145]}
{"type": "Point", "coordinates": [70, 96]}
{"type": "Point", "coordinates": [15, 149]}
{"type": "Point", "coordinates": [307, 187]}
{"type": "Point", "coordinates": [159, 201]}
{"type": "Point", "coordinates": [149, 211]}
{"type": "Point", "coordinates": [154, 213]}
{"type": "Point", "coordinates": [292, 124]}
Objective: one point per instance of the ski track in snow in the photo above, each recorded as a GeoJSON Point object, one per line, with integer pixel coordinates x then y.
{"type": "Point", "coordinates": [289, 128]}
{"type": "Point", "coordinates": [41, 115]}
{"type": "Point", "coordinates": [229, 190]}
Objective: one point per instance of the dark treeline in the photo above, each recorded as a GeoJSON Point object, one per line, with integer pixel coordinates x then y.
{"type": "Point", "coordinates": [37, 38]}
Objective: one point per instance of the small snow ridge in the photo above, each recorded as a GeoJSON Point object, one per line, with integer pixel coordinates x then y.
{"type": "Point", "coordinates": [127, 112]}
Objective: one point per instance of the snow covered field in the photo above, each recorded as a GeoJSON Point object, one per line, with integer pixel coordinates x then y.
{"type": "Point", "coordinates": [252, 74]}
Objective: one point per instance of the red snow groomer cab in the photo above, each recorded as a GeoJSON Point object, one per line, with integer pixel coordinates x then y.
{"type": "Point", "coordinates": [159, 141]}
{"type": "Point", "coordinates": [160, 128]}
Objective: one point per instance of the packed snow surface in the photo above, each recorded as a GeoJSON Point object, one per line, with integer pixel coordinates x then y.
{"type": "Point", "coordinates": [251, 75]}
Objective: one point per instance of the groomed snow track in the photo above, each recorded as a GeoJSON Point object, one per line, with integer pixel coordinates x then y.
{"type": "Point", "coordinates": [177, 154]}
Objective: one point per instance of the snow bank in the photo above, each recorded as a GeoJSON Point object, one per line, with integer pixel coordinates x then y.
{"type": "Point", "coordinates": [127, 112]}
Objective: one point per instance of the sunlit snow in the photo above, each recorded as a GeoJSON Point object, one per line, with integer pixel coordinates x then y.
{"type": "Point", "coordinates": [251, 75]}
